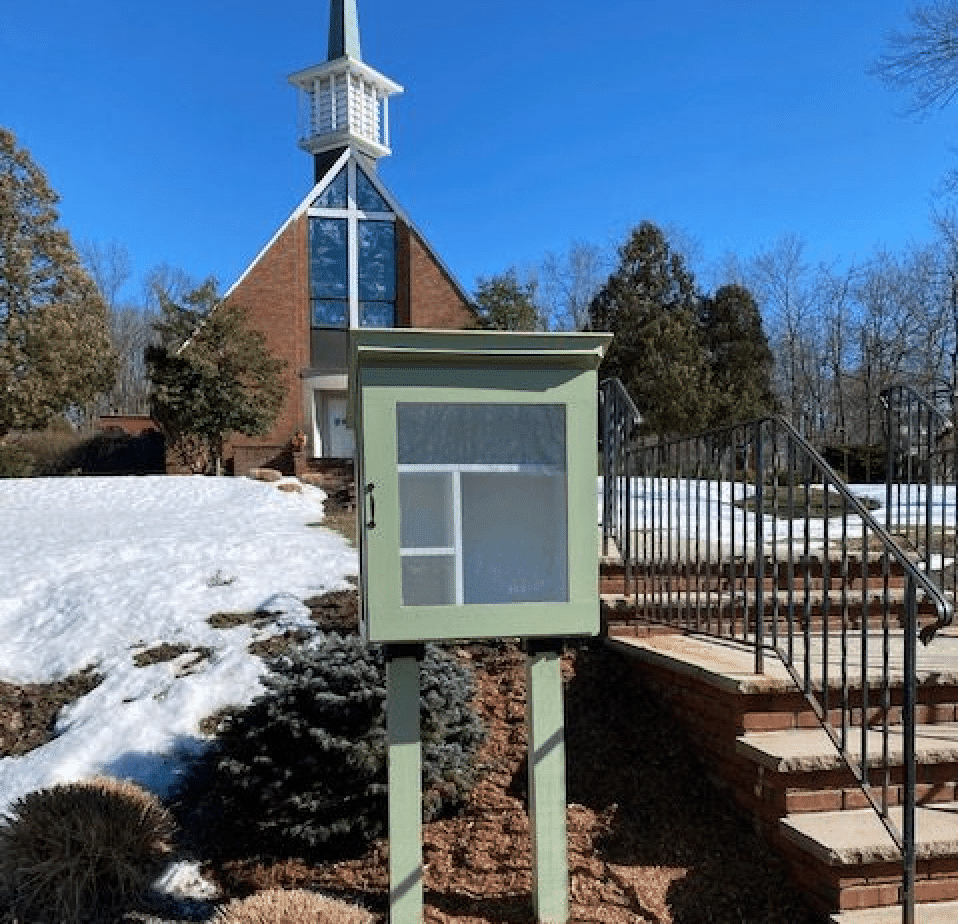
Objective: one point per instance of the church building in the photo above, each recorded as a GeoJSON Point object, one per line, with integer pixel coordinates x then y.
{"type": "Point", "coordinates": [347, 257]}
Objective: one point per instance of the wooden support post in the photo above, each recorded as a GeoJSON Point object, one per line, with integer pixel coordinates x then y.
{"type": "Point", "coordinates": [547, 797]}
{"type": "Point", "coordinates": [405, 785]}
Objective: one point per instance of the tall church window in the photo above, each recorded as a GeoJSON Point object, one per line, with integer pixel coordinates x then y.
{"type": "Point", "coordinates": [377, 273]}
{"type": "Point", "coordinates": [329, 272]}
{"type": "Point", "coordinates": [352, 254]}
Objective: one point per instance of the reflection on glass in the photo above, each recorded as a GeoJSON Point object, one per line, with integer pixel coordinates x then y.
{"type": "Point", "coordinates": [367, 196]}
{"type": "Point", "coordinates": [377, 314]}
{"type": "Point", "coordinates": [481, 434]}
{"type": "Point", "coordinates": [377, 261]}
{"type": "Point", "coordinates": [329, 258]}
{"type": "Point", "coordinates": [514, 538]}
{"type": "Point", "coordinates": [505, 467]}
{"type": "Point", "coordinates": [428, 580]}
{"type": "Point", "coordinates": [425, 510]}
{"type": "Point", "coordinates": [334, 195]}
{"type": "Point", "coordinates": [330, 312]}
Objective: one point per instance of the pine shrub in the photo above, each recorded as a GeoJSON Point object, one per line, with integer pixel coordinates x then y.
{"type": "Point", "coordinates": [291, 906]}
{"type": "Point", "coordinates": [302, 770]}
{"type": "Point", "coordinates": [75, 851]}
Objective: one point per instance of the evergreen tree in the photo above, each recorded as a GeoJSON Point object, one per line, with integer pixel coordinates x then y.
{"type": "Point", "coordinates": [650, 304]}
{"type": "Point", "coordinates": [55, 349]}
{"type": "Point", "coordinates": [504, 303]}
{"type": "Point", "coordinates": [740, 358]}
{"type": "Point", "coordinates": [212, 376]}
{"type": "Point", "coordinates": [302, 771]}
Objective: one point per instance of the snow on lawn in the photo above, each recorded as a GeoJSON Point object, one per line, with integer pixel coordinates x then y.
{"type": "Point", "coordinates": [683, 506]}
{"type": "Point", "coordinates": [98, 569]}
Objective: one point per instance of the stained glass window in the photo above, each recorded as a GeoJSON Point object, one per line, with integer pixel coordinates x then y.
{"type": "Point", "coordinates": [330, 248]}
{"type": "Point", "coordinates": [329, 272]}
{"type": "Point", "coordinates": [330, 312]}
{"type": "Point", "coordinates": [334, 196]}
{"type": "Point", "coordinates": [367, 196]}
{"type": "Point", "coordinates": [377, 261]}
{"type": "Point", "coordinates": [377, 314]}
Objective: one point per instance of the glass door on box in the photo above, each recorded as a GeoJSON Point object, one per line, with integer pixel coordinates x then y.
{"type": "Point", "coordinates": [482, 503]}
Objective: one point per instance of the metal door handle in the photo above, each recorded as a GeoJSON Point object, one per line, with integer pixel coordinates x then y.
{"type": "Point", "coordinates": [372, 506]}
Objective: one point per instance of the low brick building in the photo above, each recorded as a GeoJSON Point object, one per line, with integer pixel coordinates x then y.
{"type": "Point", "coordinates": [347, 257]}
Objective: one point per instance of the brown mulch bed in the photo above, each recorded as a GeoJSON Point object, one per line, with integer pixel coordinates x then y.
{"type": "Point", "coordinates": [650, 838]}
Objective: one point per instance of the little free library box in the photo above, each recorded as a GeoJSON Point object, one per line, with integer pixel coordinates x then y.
{"type": "Point", "coordinates": [476, 473]}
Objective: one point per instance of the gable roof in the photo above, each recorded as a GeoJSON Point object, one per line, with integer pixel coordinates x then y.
{"type": "Point", "coordinates": [317, 190]}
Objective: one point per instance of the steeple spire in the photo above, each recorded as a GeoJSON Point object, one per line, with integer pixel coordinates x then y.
{"type": "Point", "coordinates": [344, 102]}
{"type": "Point", "coordinates": [343, 30]}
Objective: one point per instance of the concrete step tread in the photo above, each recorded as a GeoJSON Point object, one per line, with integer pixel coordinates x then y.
{"type": "Point", "coordinates": [729, 665]}
{"type": "Point", "coordinates": [807, 750]}
{"type": "Point", "coordinates": [856, 837]}
{"type": "Point", "coordinates": [930, 913]}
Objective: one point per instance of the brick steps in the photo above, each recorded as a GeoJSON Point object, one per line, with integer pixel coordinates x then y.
{"type": "Point", "coordinates": [763, 744]}
{"type": "Point", "coordinates": [849, 860]}
{"type": "Point", "coordinates": [936, 913]}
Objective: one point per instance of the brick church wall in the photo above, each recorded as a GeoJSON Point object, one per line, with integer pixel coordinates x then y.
{"type": "Point", "coordinates": [275, 294]}
{"type": "Point", "coordinates": [434, 300]}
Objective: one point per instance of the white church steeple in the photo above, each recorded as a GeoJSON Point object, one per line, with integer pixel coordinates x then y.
{"type": "Point", "coordinates": [344, 102]}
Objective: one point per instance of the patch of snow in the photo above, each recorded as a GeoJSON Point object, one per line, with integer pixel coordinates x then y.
{"type": "Point", "coordinates": [98, 569]}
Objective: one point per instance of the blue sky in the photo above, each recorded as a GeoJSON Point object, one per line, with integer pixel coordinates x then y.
{"type": "Point", "coordinates": [168, 126]}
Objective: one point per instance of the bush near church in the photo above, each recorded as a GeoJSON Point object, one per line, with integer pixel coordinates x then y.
{"type": "Point", "coordinates": [302, 770]}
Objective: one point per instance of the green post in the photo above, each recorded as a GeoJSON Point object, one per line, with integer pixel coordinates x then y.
{"type": "Point", "coordinates": [547, 799]}
{"type": "Point", "coordinates": [405, 786]}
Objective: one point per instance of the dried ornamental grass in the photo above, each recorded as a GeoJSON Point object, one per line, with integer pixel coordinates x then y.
{"type": "Point", "coordinates": [291, 906]}
{"type": "Point", "coordinates": [79, 849]}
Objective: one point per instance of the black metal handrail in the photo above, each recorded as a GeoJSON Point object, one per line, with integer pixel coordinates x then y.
{"type": "Point", "coordinates": [619, 426]}
{"type": "Point", "coordinates": [921, 473]}
{"type": "Point", "coordinates": [746, 533]}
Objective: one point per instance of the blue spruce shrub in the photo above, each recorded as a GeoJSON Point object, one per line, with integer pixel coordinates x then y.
{"type": "Point", "coordinates": [302, 770]}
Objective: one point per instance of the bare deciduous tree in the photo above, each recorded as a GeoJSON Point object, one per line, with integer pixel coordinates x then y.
{"type": "Point", "coordinates": [923, 60]}
{"type": "Point", "coordinates": [568, 282]}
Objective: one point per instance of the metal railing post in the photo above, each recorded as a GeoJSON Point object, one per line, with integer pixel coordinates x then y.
{"type": "Point", "coordinates": [908, 732]}
{"type": "Point", "coordinates": [759, 567]}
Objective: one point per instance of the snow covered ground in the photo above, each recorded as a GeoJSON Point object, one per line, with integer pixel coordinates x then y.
{"type": "Point", "coordinates": [98, 569]}
{"type": "Point", "coordinates": [682, 507]}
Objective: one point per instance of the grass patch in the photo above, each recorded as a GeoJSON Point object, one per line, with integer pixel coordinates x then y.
{"type": "Point", "coordinates": [339, 521]}
{"type": "Point", "coordinates": [336, 611]}
{"type": "Point", "coordinates": [164, 652]}
{"type": "Point", "coordinates": [231, 620]}
{"type": "Point", "coordinates": [159, 654]}
{"type": "Point", "coordinates": [28, 712]}
{"type": "Point", "coordinates": [276, 645]}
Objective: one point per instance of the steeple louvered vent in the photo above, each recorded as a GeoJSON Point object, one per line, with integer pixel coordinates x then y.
{"type": "Point", "coordinates": [344, 102]}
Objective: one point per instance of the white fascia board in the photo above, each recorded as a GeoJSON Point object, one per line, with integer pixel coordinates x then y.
{"type": "Point", "coordinates": [304, 78]}
{"type": "Point", "coordinates": [299, 211]}
{"type": "Point", "coordinates": [317, 144]}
